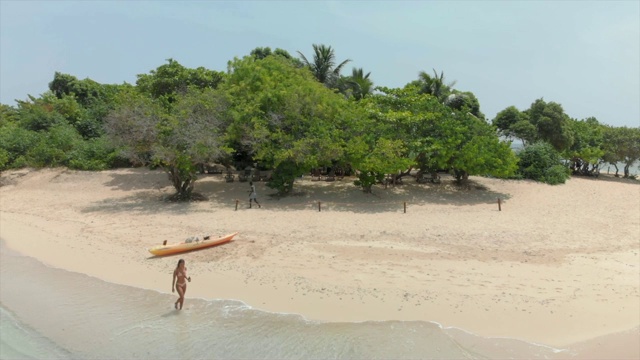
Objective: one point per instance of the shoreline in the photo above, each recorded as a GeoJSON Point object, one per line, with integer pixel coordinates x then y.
{"type": "Point", "coordinates": [607, 346]}
{"type": "Point", "coordinates": [617, 345]}
{"type": "Point", "coordinates": [346, 265]}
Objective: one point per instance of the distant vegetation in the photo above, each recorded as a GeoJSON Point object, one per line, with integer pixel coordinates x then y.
{"type": "Point", "coordinates": [294, 114]}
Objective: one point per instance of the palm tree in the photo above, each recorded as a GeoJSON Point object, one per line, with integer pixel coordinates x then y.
{"type": "Point", "coordinates": [361, 86]}
{"type": "Point", "coordinates": [435, 85]}
{"type": "Point", "coordinates": [324, 66]}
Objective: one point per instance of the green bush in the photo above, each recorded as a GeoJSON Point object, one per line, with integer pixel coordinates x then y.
{"type": "Point", "coordinates": [89, 128]}
{"type": "Point", "coordinates": [93, 154]}
{"type": "Point", "coordinates": [4, 159]}
{"type": "Point", "coordinates": [55, 147]}
{"type": "Point", "coordinates": [16, 141]}
{"type": "Point", "coordinates": [366, 180]}
{"type": "Point", "coordinates": [557, 174]}
{"type": "Point", "coordinates": [283, 176]}
{"type": "Point", "coordinates": [541, 162]}
{"type": "Point", "coordinates": [40, 118]}
{"type": "Point", "coordinates": [43, 155]}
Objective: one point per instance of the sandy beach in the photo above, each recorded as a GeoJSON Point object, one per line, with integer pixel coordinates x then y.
{"type": "Point", "coordinates": [558, 265]}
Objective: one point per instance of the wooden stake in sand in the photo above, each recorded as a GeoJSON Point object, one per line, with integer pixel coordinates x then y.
{"type": "Point", "coordinates": [319, 206]}
{"type": "Point", "coordinates": [499, 203]}
{"type": "Point", "coordinates": [405, 207]}
{"type": "Point", "coordinates": [237, 201]}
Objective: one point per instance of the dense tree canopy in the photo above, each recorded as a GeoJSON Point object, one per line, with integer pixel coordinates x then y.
{"type": "Point", "coordinates": [171, 79]}
{"type": "Point", "coordinates": [585, 144]}
{"type": "Point", "coordinates": [284, 118]}
{"type": "Point", "coordinates": [292, 115]}
{"type": "Point", "coordinates": [437, 138]}
{"type": "Point", "coordinates": [551, 123]}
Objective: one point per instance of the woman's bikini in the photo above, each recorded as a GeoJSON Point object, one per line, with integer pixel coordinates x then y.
{"type": "Point", "coordinates": [182, 278]}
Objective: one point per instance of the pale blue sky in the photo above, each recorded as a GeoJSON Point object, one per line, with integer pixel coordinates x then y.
{"type": "Point", "coordinates": [583, 55]}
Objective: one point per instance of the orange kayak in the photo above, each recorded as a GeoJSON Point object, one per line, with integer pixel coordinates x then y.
{"type": "Point", "coordinates": [194, 244]}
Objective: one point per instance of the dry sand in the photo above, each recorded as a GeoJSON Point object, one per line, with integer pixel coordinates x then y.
{"type": "Point", "coordinates": [558, 265]}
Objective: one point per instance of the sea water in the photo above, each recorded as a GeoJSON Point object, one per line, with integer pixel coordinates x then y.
{"type": "Point", "coordinates": [48, 313]}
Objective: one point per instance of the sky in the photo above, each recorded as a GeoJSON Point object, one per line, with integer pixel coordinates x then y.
{"type": "Point", "coordinates": [584, 55]}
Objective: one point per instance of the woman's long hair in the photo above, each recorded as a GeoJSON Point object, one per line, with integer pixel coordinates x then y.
{"type": "Point", "coordinates": [179, 261]}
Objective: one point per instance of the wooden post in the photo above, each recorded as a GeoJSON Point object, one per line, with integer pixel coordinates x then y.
{"type": "Point", "coordinates": [499, 203]}
{"type": "Point", "coordinates": [237, 201]}
{"type": "Point", "coordinates": [319, 206]}
{"type": "Point", "coordinates": [405, 207]}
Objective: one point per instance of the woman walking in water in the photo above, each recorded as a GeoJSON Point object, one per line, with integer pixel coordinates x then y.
{"type": "Point", "coordinates": [180, 279]}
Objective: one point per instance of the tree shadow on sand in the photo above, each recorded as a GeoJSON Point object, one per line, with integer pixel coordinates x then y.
{"type": "Point", "coordinates": [344, 196]}
{"type": "Point", "coordinates": [608, 178]}
{"type": "Point", "coordinates": [148, 202]}
{"type": "Point", "coordinates": [308, 195]}
{"type": "Point", "coordinates": [138, 179]}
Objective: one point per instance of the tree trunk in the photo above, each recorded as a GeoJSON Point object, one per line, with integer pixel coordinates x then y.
{"type": "Point", "coordinates": [616, 166]}
{"type": "Point", "coordinates": [461, 176]}
{"type": "Point", "coordinates": [184, 187]}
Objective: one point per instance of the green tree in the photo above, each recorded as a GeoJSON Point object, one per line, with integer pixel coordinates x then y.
{"type": "Point", "coordinates": [505, 119]}
{"type": "Point", "coordinates": [283, 118]}
{"type": "Point", "coordinates": [374, 161]}
{"type": "Point", "coordinates": [437, 137]}
{"type": "Point", "coordinates": [587, 147]}
{"type": "Point", "coordinates": [55, 146]}
{"type": "Point", "coordinates": [86, 92]}
{"type": "Point", "coordinates": [513, 123]}
{"type": "Point", "coordinates": [262, 52]}
{"type": "Point", "coordinates": [323, 66]}
{"type": "Point", "coordinates": [551, 123]}
{"type": "Point", "coordinates": [460, 100]}
{"type": "Point", "coordinates": [621, 144]}
{"type": "Point", "coordinates": [172, 79]}
{"type": "Point", "coordinates": [8, 115]}
{"type": "Point", "coordinates": [39, 114]}
{"type": "Point", "coordinates": [482, 153]}
{"type": "Point", "coordinates": [359, 84]}
{"type": "Point", "coordinates": [525, 131]}
{"type": "Point", "coordinates": [85, 103]}
{"type": "Point", "coordinates": [191, 133]}
{"type": "Point", "coordinates": [15, 143]}
{"type": "Point", "coordinates": [435, 85]}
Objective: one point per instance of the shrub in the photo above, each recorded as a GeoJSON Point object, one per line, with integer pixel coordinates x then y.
{"type": "Point", "coordinates": [366, 180]}
{"type": "Point", "coordinates": [4, 159]}
{"type": "Point", "coordinates": [283, 176]}
{"type": "Point", "coordinates": [16, 141]}
{"type": "Point", "coordinates": [20, 162]}
{"type": "Point", "coordinates": [97, 154]}
{"type": "Point", "coordinates": [557, 174]}
{"type": "Point", "coordinates": [40, 117]}
{"type": "Point", "coordinates": [541, 162]}
{"type": "Point", "coordinates": [55, 147]}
